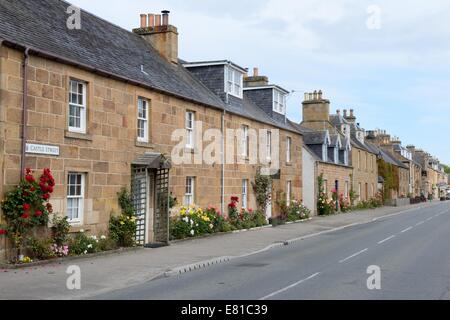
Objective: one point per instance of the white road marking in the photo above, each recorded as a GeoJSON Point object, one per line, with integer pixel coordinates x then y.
{"type": "Point", "coordinates": [354, 255]}
{"type": "Point", "coordinates": [289, 287]}
{"type": "Point", "coordinates": [430, 218]}
{"type": "Point", "coordinates": [406, 230]}
{"type": "Point", "coordinates": [420, 223]}
{"type": "Point", "coordinates": [386, 240]}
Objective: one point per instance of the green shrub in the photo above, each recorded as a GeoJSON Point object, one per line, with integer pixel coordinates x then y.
{"type": "Point", "coordinates": [82, 244]}
{"type": "Point", "coordinates": [41, 248]}
{"type": "Point", "coordinates": [122, 228]}
{"type": "Point", "coordinates": [60, 230]}
{"type": "Point", "coordinates": [297, 211]}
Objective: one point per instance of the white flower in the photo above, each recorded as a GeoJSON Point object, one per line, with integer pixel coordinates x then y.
{"type": "Point", "coordinates": [82, 231]}
{"type": "Point", "coordinates": [85, 251]}
{"type": "Point", "coordinates": [89, 246]}
{"type": "Point", "coordinates": [192, 222]}
{"type": "Point", "coordinates": [211, 226]}
{"type": "Point", "coordinates": [186, 219]}
{"type": "Point", "coordinates": [192, 232]}
{"type": "Point", "coordinates": [94, 237]}
{"type": "Point", "coordinates": [103, 237]}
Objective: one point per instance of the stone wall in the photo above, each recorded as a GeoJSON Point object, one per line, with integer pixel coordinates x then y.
{"type": "Point", "coordinates": [365, 174]}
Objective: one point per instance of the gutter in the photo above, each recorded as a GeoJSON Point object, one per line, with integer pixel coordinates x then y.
{"type": "Point", "coordinates": [24, 112]}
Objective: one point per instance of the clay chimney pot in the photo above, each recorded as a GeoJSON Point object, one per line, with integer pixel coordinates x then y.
{"type": "Point", "coordinates": [143, 21]}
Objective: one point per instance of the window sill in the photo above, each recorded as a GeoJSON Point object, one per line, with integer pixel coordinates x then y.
{"type": "Point", "coordinates": [79, 136]}
{"type": "Point", "coordinates": [148, 145]}
{"type": "Point", "coordinates": [189, 150]}
{"type": "Point", "coordinates": [289, 164]}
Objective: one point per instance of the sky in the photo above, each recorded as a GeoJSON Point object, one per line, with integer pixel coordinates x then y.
{"type": "Point", "coordinates": [387, 60]}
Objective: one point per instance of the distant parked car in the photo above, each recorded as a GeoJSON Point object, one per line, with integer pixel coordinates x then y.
{"type": "Point", "coordinates": [448, 196]}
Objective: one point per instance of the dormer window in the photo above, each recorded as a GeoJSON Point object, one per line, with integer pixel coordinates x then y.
{"type": "Point", "coordinates": [279, 102]}
{"type": "Point", "coordinates": [234, 81]}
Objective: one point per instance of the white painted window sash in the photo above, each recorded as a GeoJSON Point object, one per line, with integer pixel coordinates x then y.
{"type": "Point", "coordinates": [75, 104]}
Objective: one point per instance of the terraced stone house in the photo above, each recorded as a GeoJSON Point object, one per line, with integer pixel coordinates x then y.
{"type": "Point", "coordinates": [99, 106]}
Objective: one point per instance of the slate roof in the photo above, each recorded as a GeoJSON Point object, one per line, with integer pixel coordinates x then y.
{"type": "Point", "coordinates": [386, 156]}
{"type": "Point", "coordinates": [111, 50]}
{"type": "Point", "coordinates": [337, 120]}
{"type": "Point", "coordinates": [312, 138]}
{"type": "Point", "coordinates": [41, 24]}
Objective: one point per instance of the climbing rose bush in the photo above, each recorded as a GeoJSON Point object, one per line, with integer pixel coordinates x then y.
{"type": "Point", "coordinates": [27, 206]}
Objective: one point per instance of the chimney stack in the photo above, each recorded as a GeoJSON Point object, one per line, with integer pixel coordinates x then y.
{"type": "Point", "coordinates": [338, 112]}
{"type": "Point", "coordinates": [345, 113]}
{"type": "Point", "coordinates": [255, 80]}
{"type": "Point", "coordinates": [316, 110]}
{"type": "Point", "coordinates": [160, 34]}
{"type": "Point", "coordinates": [351, 118]}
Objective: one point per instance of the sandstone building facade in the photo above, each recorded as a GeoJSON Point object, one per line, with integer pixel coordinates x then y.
{"type": "Point", "coordinates": [107, 103]}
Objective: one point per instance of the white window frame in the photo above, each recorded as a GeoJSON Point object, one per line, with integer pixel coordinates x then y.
{"type": "Point", "coordinates": [234, 82]}
{"type": "Point", "coordinates": [189, 196]}
{"type": "Point", "coordinates": [245, 194]}
{"type": "Point", "coordinates": [346, 157]}
{"type": "Point", "coordinates": [190, 129]}
{"type": "Point", "coordinates": [325, 152]}
{"type": "Point", "coordinates": [245, 152]}
{"type": "Point", "coordinates": [288, 149]}
{"type": "Point", "coordinates": [82, 106]}
{"type": "Point", "coordinates": [269, 145]}
{"type": "Point", "coordinates": [288, 192]}
{"type": "Point", "coordinates": [144, 119]}
{"type": "Point", "coordinates": [336, 155]}
{"type": "Point", "coordinates": [79, 219]}
{"type": "Point", "coordinates": [279, 102]}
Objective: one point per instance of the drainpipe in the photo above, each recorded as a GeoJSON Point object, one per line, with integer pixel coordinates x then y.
{"type": "Point", "coordinates": [25, 112]}
{"type": "Point", "coordinates": [222, 201]}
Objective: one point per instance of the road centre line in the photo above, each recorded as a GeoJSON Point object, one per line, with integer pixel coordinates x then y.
{"type": "Point", "coordinates": [354, 255]}
{"type": "Point", "coordinates": [408, 229]}
{"type": "Point", "coordinates": [289, 287]}
{"type": "Point", "coordinates": [386, 240]}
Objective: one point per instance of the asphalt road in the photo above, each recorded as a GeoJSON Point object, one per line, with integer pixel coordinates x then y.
{"type": "Point", "coordinates": [411, 249]}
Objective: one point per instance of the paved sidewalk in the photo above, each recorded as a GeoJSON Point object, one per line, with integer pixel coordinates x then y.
{"type": "Point", "coordinates": [106, 273]}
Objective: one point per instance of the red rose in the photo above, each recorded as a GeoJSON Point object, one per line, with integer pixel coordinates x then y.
{"type": "Point", "coordinates": [26, 207]}
{"type": "Point", "coordinates": [32, 189]}
{"type": "Point", "coordinates": [49, 208]}
{"type": "Point", "coordinates": [38, 213]}
{"type": "Point", "coordinates": [46, 196]}
{"type": "Point", "coordinates": [28, 171]}
{"type": "Point", "coordinates": [25, 216]}
{"type": "Point", "coordinates": [29, 178]}
{"type": "Point", "coordinates": [235, 199]}
{"type": "Point", "coordinates": [3, 232]}
{"type": "Point", "coordinates": [50, 189]}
